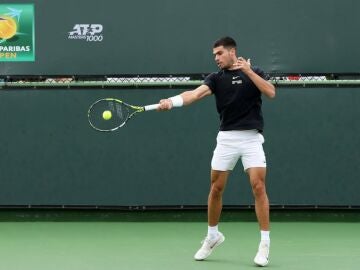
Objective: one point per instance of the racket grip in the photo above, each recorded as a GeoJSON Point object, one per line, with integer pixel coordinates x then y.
{"type": "Point", "coordinates": [151, 107]}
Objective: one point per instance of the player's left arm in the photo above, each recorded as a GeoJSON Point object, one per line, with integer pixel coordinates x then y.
{"type": "Point", "coordinates": [263, 85]}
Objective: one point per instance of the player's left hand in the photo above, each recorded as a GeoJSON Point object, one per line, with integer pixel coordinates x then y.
{"type": "Point", "coordinates": [243, 64]}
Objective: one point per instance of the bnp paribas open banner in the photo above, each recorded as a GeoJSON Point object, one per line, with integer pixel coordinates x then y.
{"type": "Point", "coordinates": [17, 35]}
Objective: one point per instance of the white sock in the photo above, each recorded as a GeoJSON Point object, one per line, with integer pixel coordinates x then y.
{"type": "Point", "coordinates": [213, 231]}
{"type": "Point", "coordinates": [265, 236]}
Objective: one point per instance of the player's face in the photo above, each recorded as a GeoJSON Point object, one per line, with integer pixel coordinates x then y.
{"type": "Point", "coordinates": [224, 57]}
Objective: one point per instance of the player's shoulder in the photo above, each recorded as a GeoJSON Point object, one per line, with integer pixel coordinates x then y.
{"type": "Point", "coordinates": [212, 79]}
{"type": "Point", "coordinates": [215, 75]}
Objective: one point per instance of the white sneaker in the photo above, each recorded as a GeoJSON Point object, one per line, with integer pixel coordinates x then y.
{"type": "Point", "coordinates": [262, 256]}
{"type": "Point", "coordinates": [208, 245]}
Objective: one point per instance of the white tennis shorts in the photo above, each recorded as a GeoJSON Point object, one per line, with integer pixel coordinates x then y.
{"type": "Point", "coordinates": [235, 144]}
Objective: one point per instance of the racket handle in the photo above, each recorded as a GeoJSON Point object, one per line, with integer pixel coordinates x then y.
{"type": "Point", "coordinates": [151, 107]}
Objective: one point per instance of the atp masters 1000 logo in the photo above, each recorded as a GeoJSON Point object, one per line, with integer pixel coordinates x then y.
{"type": "Point", "coordinates": [17, 32]}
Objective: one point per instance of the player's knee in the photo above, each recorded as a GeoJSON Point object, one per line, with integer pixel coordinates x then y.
{"type": "Point", "coordinates": [216, 190]}
{"type": "Point", "coordinates": [258, 187]}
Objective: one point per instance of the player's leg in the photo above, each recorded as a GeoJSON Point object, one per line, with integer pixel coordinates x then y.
{"type": "Point", "coordinates": [223, 161]}
{"type": "Point", "coordinates": [254, 162]}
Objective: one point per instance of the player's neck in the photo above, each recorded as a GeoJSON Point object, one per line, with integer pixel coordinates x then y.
{"type": "Point", "coordinates": [231, 67]}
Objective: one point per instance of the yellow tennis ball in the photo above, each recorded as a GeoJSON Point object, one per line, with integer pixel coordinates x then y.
{"type": "Point", "coordinates": [107, 115]}
{"type": "Point", "coordinates": [8, 27]}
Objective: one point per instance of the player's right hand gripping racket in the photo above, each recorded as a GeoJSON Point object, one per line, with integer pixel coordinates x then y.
{"type": "Point", "coordinates": [110, 114]}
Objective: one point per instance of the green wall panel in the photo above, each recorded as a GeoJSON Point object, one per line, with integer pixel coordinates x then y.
{"type": "Point", "coordinates": [50, 156]}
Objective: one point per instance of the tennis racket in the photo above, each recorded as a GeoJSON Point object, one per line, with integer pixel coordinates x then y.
{"type": "Point", "coordinates": [110, 114]}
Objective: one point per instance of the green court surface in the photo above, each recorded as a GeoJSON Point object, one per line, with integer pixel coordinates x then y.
{"type": "Point", "coordinates": [171, 245]}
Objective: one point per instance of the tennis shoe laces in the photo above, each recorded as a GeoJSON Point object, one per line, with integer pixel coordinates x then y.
{"type": "Point", "coordinates": [262, 256]}
{"type": "Point", "coordinates": [208, 245]}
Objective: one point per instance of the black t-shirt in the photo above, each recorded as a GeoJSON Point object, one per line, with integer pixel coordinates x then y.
{"type": "Point", "coordinates": [238, 100]}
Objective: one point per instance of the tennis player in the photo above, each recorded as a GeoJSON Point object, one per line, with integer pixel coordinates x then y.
{"type": "Point", "coordinates": [237, 88]}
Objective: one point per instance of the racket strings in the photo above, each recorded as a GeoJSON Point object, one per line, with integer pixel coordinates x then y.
{"type": "Point", "coordinates": [119, 112]}
{"type": "Point", "coordinates": [119, 115]}
{"type": "Point", "coordinates": [122, 112]}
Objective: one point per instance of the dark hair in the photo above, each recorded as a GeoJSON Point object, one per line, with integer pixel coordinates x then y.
{"type": "Point", "coordinates": [227, 42]}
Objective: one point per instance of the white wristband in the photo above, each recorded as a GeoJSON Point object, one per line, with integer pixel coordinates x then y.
{"type": "Point", "coordinates": [177, 101]}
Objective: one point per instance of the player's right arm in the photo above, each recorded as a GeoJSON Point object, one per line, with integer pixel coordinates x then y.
{"type": "Point", "coordinates": [185, 98]}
